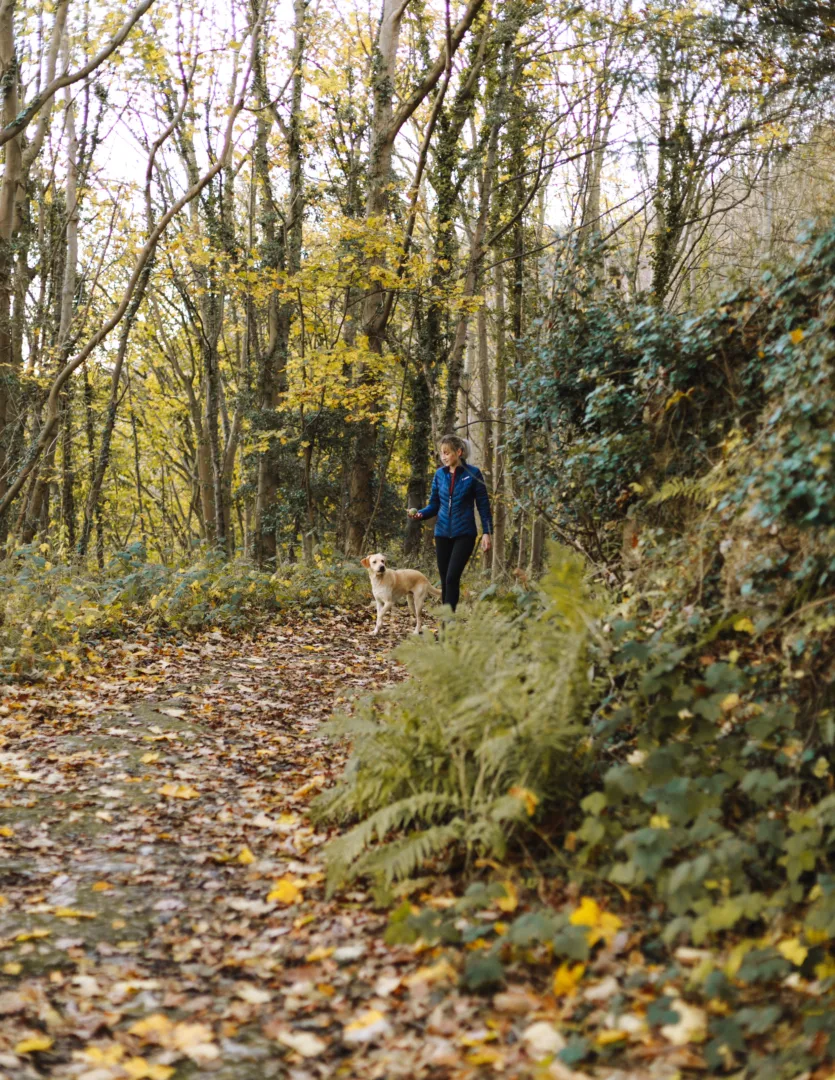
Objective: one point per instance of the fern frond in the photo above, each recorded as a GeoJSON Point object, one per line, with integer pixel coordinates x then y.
{"type": "Point", "coordinates": [424, 807]}
{"type": "Point", "coordinates": [341, 726]}
{"type": "Point", "coordinates": [400, 858]}
{"type": "Point", "coordinates": [701, 489]}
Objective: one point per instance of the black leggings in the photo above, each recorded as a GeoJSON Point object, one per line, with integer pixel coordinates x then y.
{"type": "Point", "coordinates": [453, 555]}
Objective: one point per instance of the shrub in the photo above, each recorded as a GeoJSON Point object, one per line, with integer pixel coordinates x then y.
{"type": "Point", "coordinates": [458, 756]}
{"type": "Point", "coordinates": [50, 609]}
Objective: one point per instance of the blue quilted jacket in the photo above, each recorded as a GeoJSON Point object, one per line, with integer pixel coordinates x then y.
{"type": "Point", "coordinates": [456, 514]}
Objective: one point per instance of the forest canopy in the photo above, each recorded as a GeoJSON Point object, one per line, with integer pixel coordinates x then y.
{"type": "Point", "coordinates": [255, 259]}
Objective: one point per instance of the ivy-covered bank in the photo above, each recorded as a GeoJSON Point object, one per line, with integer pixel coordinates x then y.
{"type": "Point", "coordinates": [648, 734]}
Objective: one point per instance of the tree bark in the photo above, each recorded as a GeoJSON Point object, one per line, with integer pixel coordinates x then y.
{"type": "Point", "coordinates": [499, 485]}
{"type": "Point", "coordinates": [282, 250]}
{"type": "Point", "coordinates": [386, 123]}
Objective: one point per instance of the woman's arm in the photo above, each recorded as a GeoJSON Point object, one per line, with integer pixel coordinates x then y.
{"type": "Point", "coordinates": [434, 504]}
{"type": "Point", "coordinates": [482, 499]}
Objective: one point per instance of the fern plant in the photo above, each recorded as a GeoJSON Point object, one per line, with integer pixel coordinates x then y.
{"type": "Point", "coordinates": [455, 758]}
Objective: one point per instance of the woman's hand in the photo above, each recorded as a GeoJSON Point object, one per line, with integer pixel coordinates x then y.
{"type": "Point", "coordinates": [413, 513]}
{"type": "Point", "coordinates": [486, 542]}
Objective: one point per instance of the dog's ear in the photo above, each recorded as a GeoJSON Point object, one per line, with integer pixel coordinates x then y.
{"type": "Point", "coordinates": [365, 562]}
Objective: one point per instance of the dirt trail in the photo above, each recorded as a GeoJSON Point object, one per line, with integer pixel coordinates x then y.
{"type": "Point", "coordinates": [163, 910]}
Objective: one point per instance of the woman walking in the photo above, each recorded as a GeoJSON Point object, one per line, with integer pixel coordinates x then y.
{"type": "Point", "coordinates": [456, 489]}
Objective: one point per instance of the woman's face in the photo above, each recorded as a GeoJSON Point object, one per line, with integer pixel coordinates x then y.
{"type": "Point", "coordinates": [450, 456]}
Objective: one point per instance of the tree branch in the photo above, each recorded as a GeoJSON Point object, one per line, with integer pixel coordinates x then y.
{"type": "Point", "coordinates": [23, 119]}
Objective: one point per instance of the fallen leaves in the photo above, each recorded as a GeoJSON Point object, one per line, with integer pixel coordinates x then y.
{"type": "Point", "coordinates": [214, 938]}
{"type": "Point", "coordinates": [368, 1026]}
{"type": "Point", "coordinates": [443, 971]}
{"type": "Point", "coordinates": [286, 891]}
{"type": "Point", "coordinates": [192, 1040]}
{"type": "Point", "coordinates": [566, 979]}
{"type": "Point", "coordinates": [178, 791]}
{"type": "Point", "coordinates": [542, 1040]}
{"type": "Point", "coordinates": [690, 1027]}
{"type": "Point", "coordinates": [303, 1042]}
{"type": "Point", "coordinates": [602, 925]}
{"type": "Point", "coordinates": [34, 1044]}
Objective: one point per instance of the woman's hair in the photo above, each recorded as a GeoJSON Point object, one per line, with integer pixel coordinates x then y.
{"type": "Point", "coordinates": [456, 443]}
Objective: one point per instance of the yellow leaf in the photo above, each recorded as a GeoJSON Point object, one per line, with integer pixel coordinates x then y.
{"type": "Point", "coordinates": [245, 857]}
{"type": "Point", "coordinates": [796, 336]}
{"type": "Point", "coordinates": [102, 886]}
{"type": "Point", "coordinates": [587, 914]}
{"type": "Point", "coordinates": [527, 797]}
{"type": "Point", "coordinates": [815, 937]}
{"type": "Point", "coordinates": [12, 968]}
{"type": "Point", "coordinates": [566, 978]}
{"type": "Point", "coordinates": [602, 924]}
{"type": "Point", "coordinates": [371, 1016]}
{"type": "Point", "coordinates": [729, 702]}
{"type": "Point", "coordinates": [821, 767]}
{"type": "Point", "coordinates": [322, 953]}
{"type": "Point", "coordinates": [510, 901]}
{"type": "Point", "coordinates": [148, 759]}
{"type": "Point", "coordinates": [676, 397]}
{"type": "Point", "coordinates": [606, 1038]}
{"type": "Point", "coordinates": [285, 891]}
{"type": "Point", "coordinates": [486, 1056]}
{"type": "Point", "coordinates": [826, 970]}
{"type": "Point", "coordinates": [186, 1037]}
{"type": "Point", "coordinates": [6, 831]}
{"type": "Point", "coordinates": [434, 973]}
{"type": "Point", "coordinates": [659, 821]}
{"type": "Point", "coordinates": [138, 1068]}
{"type": "Point", "coordinates": [476, 1038]}
{"type": "Point", "coordinates": [31, 1046]}
{"type": "Point", "coordinates": [154, 1025]}
{"type": "Point", "coordinates": [793, 951]}
{"type": "Point", "coordinates": [32, 935]}
{"type": "Point", "coordinates": [74, 913]}
{"type": "Point", "coordinates": [105, 1055]}
{"type": "Point", "coordinates": [744, 625]}
{"type": "Point", "coordinates": [178, 791]}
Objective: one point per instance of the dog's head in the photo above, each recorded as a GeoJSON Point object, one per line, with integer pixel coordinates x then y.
{"type": "Point", "coordinates": [375, 564]}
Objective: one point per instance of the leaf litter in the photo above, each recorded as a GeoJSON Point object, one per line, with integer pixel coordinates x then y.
{"type": "Point", "coordinates": [163, 911]}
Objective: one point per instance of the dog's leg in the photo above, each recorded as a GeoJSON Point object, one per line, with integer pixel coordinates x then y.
{"type": "Point", "coordinates": [417, 605]}
{"type": "Point", "coordinates": [380, 611]}
{"type": "Point", "coordinates": [410, 600]}
{"type": "Point", "coordinates": [384, 610]}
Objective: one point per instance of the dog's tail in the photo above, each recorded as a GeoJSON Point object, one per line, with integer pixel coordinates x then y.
{"type": "Point", "coordinates": [434, 591]}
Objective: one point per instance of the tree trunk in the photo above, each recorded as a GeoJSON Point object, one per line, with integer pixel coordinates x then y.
{"type": "Point", "coordinates": [385, 126]}
{"type": "Point", "coordinates": [499, 484]}
{"type": "Point", "coordinates": [485, 415]}
{"type": "Point", "coordinates": [9, 363]}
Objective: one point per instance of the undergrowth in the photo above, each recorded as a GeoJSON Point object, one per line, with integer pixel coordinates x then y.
{"type": "Point", "coordinates": [50, 610]}
{"type": "Point", "coordinates": [451, 757]}
{"type": "Point", "coordinates": [672, 750]}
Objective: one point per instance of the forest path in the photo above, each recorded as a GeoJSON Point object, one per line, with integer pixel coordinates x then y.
{"type": "Point", "coordinates": [163, 910]}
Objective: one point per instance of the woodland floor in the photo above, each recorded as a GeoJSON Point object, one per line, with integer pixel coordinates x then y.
{"type": "Point", "coordinates": [149, 807]}
{"type": "Point", "coordinates": [163, 911]}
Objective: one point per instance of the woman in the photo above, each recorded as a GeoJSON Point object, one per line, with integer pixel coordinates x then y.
{"type": "Point", "coordinates": [456, 489]}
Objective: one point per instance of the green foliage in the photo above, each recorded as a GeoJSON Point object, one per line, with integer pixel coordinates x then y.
{"type": "Point", "coordinates": [458, 756]}
{"type": "Point", "coordinates": [51, 611]}
{"type": "Point", "coordinates": [628, 407]}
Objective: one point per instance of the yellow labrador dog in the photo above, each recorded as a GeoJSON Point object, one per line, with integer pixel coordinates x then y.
{"type": "Point", "coordinates": [389, 586]}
